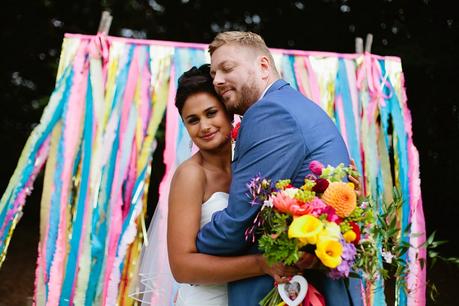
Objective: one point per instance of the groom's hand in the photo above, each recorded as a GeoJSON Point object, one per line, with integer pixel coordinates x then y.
{"type": "Point", "coordinates": [307, 261]}
{"type": "Point", "coordinates": [355, 180]}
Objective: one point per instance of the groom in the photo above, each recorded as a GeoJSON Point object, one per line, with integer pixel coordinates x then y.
{"type": "Point", "coordinates": [280, 134]}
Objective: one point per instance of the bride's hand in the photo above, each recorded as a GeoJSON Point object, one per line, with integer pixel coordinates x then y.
{"type": "Point", "coordinates": [280, 272]}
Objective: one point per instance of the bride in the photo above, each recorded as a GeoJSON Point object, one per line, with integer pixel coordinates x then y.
{"type": "Point", "coordinates": [199, 188]}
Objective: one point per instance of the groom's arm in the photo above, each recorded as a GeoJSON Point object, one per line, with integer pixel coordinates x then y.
{"type": "Point", "coordinates": [270, 144]}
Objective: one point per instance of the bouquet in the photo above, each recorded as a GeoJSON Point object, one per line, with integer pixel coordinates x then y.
{"type": "Point", "coordinates": [323, 217]}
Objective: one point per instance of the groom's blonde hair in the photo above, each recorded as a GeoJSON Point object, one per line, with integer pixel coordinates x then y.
{"type": "Point", "coordinates": [243, 39]}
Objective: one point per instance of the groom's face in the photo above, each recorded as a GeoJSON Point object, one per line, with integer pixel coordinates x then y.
{"type": "Point", "coordinates": [236, 77]}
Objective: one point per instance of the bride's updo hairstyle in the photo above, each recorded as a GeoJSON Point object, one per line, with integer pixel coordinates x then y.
{"type": "Point", "coordinates": [195, 80]}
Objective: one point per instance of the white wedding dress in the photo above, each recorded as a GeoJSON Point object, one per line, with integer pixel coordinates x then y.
{"type": "Point", "coordinates": [155, 283]}
{"type": "Point", "coordinates": [205, 295]}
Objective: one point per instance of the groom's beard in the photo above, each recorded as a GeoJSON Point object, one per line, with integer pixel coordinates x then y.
{"type": "Point", "coordinates": [245, 97]}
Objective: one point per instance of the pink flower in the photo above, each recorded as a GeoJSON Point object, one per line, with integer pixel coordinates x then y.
{"type": "Point", "coordinates": [288, 204]}
{"type": "Point", "coordinates": [317, 206]}
{"type": "Point", "coordinates": [320, 208]}
{"type": "Point", "coordinates": [331, 215]}
{"type": "Point", "coordinates": [301, 209]}
{"type": "Point", "coordinates": [316, 167]}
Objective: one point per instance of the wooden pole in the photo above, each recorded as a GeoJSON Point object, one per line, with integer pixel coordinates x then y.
{"type": "Point", "coordinates": [368, 42]}
{"type": "Point", "coordinates": [105, 23]}
{"type": "Point", "coordinates": [358, 45]}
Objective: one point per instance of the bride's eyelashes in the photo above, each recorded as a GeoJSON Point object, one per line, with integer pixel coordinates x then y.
{"type": "Point", "coordinates": [192, 120]}
{"type": "Point", "coordinates": [210, 113]}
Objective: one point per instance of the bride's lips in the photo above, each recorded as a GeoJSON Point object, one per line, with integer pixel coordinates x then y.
{"type": "Point", "coordinates": [208, 136]}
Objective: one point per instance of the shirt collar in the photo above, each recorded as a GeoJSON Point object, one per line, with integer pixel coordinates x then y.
{"type": "Point", "coordinates": [264, 91]}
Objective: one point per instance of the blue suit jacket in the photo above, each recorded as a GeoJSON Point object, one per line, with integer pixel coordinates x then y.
{"type": "Point", "coordinates": [279, 136]}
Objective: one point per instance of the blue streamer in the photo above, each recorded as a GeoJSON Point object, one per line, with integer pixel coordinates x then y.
{"type": "Point", "coordinates": [288, 70]}
{"type": "Point", "coordinates": [29, 167]}
{"type": "Point", "coordinates": [70, 275]}
{"type": "Point", "coordinates": [99, 221]}
{"type": "Point", "coordinates": [184, 59]}
{"type": "Point", "coordinates": [342, 89]}
{"type": "Point", "coordinates": [54, 212]}
{"type": "Point", "coordinates": [402, 152]}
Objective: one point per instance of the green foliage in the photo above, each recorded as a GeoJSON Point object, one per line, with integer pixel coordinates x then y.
{"type": "Point", "coordinates": [271, 299]}
{"type": "Point", "coordinates": [308, 184]}
{"type": "Point", "coordinates": [335, 174]}
{"type": "Point", "coordinates": [305, 195]}
{"type": "Point", "coordinates": [274, 241]}
{"type": "Point", "coordinates": [433, 253]}
{"type": "Point", "coordinates": [279, 249]}
{"type": "Point", "coordinates": [359, 216]}
{"type": "Point", "coordinates": [282, 184]}
{"type": "Point", "coordinates": [386, 239]}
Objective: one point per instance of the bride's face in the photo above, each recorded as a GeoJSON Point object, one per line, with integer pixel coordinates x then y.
{"type": "Point", "coordinates": [206, 121]}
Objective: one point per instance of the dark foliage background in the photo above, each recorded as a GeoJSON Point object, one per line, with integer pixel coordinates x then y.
{"type": "Point", "coordinates": [424, 33]}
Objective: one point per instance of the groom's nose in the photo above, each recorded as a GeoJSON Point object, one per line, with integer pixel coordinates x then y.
{"type": "Point", "coordinates": [218, 79]}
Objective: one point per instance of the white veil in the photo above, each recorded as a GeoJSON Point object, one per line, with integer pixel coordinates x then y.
{"type": "Point", "coordinates": [155, 283]}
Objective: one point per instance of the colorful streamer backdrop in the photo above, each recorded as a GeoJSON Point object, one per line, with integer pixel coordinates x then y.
{"type": "Point", "coordinates": [97, 138]}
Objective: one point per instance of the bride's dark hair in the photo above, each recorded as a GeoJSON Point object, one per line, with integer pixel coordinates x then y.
{"type": "Point", "coordinates": [194, 81]}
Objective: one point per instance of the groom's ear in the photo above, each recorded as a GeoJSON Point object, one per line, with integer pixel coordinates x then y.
{"type": "Point", "coordinates": [264, 65]}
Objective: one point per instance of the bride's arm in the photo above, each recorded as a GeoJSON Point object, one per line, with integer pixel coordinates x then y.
{"type": "Point", "coordinates": [187, 265]}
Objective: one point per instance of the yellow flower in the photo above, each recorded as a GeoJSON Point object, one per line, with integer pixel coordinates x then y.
{"type": "Point", "coordinates": [349, 236]}
{"type": "Point", "coordinates": [331, 231]}
{"type": "Point", "coordinates": [329, 252]}
{"type": "Point", "coordinates": [341, 197]}
{"type": "Point", "coordinates": [306, 228]}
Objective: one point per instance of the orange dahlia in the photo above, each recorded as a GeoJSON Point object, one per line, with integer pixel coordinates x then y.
{"type": "Point", "coordinates": [341, 197]}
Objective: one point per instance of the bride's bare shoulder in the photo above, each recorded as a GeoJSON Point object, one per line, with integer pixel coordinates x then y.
{"type": "Point", "coordinates": [190, 172]}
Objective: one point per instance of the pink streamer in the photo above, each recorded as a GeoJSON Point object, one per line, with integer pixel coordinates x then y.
{"type": "Point", "coordinates": [41, 156]}
{"type": "Point", "coordinates": [38, 271]}
{"type": "Point", "coordinates": [342, 122]}
{"type": "Point", "coordinates": [116, 200]}
{"type": "Point", "coordinates": [73, 123]}
{"type": "Point", "coordinates": [351, 78]}
{"type": "Point", "coordinates": [416, 279]}
{"type": "Point", "coordinates": [300, 81]}
{"type": "Point", "coordinates": [130, 180]}
{"type": "Point", "coordinates": [313, 84]}
{"type": "Point", "coordinates": [27, 189]}
{"type": "Point", "coordinates": [145, 100]}
{"type": "Point", "coordinates": [172, 125]}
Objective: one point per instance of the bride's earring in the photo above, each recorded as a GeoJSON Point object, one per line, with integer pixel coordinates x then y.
{"type": "Point", "coordinates": [190, 146]}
